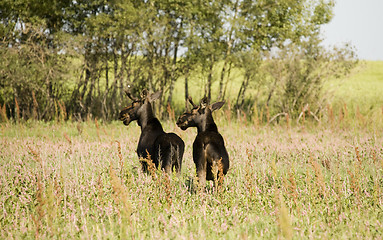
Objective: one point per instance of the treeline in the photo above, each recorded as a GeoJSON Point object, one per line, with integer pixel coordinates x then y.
{"type": "Point", "coordinates": [75, 58]}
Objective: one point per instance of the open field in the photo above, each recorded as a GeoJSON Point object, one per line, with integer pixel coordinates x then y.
{"type": "Point", "coordinates": [363, 88]}
{"type": "Point", "coordinates": [69, 181]}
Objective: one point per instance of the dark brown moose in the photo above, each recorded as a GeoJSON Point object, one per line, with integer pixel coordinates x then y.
{"type": "Point", "coordinates": [166, 149]}
{"type": "Point", "coordinates": [208, 147]}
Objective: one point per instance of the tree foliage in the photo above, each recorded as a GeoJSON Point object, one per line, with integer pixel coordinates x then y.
{"type": "Point", "coordinates": [298, 74]}
{"type": "Point", "coordinates": [83, 54]}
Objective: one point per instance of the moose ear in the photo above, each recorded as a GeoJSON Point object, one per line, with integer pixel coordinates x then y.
{"type": "Point", "coordinates": [155, 96]}
{"type": "Point", "coordinates": [217, 105]}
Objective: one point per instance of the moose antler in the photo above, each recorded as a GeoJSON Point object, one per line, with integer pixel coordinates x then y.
{"type": "Point", "coordinates": [204, 102]}
{"type": "Point", "coordinates": [129, 94]}
{"type": "Point", "coordinates": [191, 101]}
{"type": "Point", "coordinates": [144, 94]}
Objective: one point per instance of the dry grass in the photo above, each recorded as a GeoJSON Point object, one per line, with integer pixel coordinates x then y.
{"type": "Point", "coordinates": [322, 182]}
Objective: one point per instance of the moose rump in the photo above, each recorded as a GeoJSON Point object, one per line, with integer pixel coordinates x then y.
{"type": "Point", "coordinates": [209, 150]}
{"type": "Point", "coordinates": [168, 152]}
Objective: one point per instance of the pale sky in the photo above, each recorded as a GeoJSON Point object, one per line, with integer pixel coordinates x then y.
{"type": "Point", "coordinates": [359, 22]}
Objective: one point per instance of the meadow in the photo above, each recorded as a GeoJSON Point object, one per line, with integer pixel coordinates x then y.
{"type": "Point", "coordinates": [306, 180]}
{"type": "Point", "coordinates": [69, 180]}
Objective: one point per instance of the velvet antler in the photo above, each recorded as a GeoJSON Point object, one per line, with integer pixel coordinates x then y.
{"type": "Point", "coordinates": [129, 94]}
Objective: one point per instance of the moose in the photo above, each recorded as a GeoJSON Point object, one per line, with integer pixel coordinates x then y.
{"type": "Point", "coordinates": [208, 147]}
{"type": "Point", "coordinates": [165, 149]}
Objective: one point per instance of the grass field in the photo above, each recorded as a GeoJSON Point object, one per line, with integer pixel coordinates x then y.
{"type": "Point", "coordinates": [72, 181]}
{"type": "Point", "coordinates": [312, 181]}
{"type": "Point", "coordinates": [363, 89]}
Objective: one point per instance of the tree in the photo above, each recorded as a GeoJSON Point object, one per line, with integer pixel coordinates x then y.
{"type": "Point", "coordinates": [299, 72]}
{"type": "Point", "coordinates": [32, 69]}
{"type": "Point", "coordinates": [153, 44]}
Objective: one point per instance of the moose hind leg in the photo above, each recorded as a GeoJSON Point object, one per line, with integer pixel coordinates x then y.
{"type": "Point", "coordinates": [166, 160]}
{"type": "Point", "coordinates": [201, 174]}
{"type": "Point", "coordinates": [177, 160]}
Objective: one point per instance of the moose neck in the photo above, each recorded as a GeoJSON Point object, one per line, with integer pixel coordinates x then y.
{"type": "Point", "coordinates": [145, 116]}
{"type": "Point", "coordinates": [207, 124]}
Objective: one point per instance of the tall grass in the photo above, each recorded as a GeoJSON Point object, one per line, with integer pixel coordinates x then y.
{"type": "Point", "coordinates": [83, 180]}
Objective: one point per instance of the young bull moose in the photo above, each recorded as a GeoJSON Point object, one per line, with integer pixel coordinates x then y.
{"type": "Point", "coordinates": [208, 147]}
{"type": "Point", "coordinates": [165, 149]}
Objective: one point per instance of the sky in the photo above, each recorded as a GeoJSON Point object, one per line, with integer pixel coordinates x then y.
{"type": "Point", "coordinates": [359, 22]}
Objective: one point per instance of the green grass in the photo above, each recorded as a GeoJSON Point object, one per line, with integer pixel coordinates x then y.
{"type": "Point", "coordinates": [363, 88]}
{"type": "Point", "coordinates": [67, 181]}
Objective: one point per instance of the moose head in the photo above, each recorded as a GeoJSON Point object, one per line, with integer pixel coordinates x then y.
{"type": "Point", "coordinates": [199, 116]}
{"type": "Point", "coordinates": [139, 106]}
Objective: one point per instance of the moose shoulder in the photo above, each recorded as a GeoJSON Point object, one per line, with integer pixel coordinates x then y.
{"type": "Point", "coordinates": [209, 146]}
{"type": "Point", "coordinates": [165, 149]}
